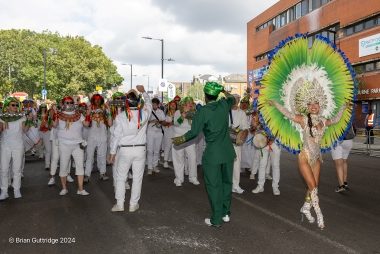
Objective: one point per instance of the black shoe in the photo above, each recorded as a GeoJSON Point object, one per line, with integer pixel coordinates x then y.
{"type": "Point", "coordinates": [345, 184]}
{"type": "Point", "coordinates": [47, 169]}
{"type": "Point", "coordinates": [340, 188]}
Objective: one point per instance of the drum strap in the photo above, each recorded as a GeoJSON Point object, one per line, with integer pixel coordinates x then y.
{"type": "Point", "coordinates": [162, 130]}
{"type": "Point", "coordinates": [231, 119]}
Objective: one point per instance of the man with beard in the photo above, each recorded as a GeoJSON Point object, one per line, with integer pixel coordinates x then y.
{"type": "Point", "coordinates": [69, 124]}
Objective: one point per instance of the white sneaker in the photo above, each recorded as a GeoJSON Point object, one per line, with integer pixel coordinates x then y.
{"type": "Point", "coordinates": [63, 192]}
{"type": "Point", "coordinates": [51, 181]}
{"type": "Point", "coordinates": [208, 223]}
{"type": "Point", "coordinates": [117, 208]}
{"type": "Point", "coordinates": [237, 190]}
{"type": "Point", "coordinates": [258, 189]}
{"type": "Point", "coordinates": [194, 181]}
{"type": "Point", "coordinates": [4, 195]}
{"type": "Point", "coordinates": [17, 193]}
{"type": "Point", "coordinates": [268, 177]}
{"type": "Point", "coordinates": [226, 218]}
{"type": "Point", "coordinates": [70, 179]}
{"type": "Point", "coordinates": [156, 170]}
{"type": "Point", "coordinates": [166, 165]}
{"type": "Point", "coordinates": [133, 208]}
{"type": "Point", "coordinates": [276, 191]}
{"type": "Point", "coordinates": [177, 182]}
{"type": "Point", "coordinates": [127, 186]}
{"type": "Point", "coordinates": [83, 192]}
{"type": "Point", "coordinates": [252, 177]}
{"type": "Point", "coordinates": [150, 171]}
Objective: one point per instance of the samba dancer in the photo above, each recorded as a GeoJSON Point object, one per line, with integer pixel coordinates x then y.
{"type": "Point", "coordinates": [219, 154]}
{"type": "Point", "coordinates": [69, 124]}
{"type": "Point", "coordinates": [97, 137]}
{"type": "Point", "coordinates": [13, 123]}
{"type": "Point", "coordinates": [185, 153]}
{"type": "Point", "coordinates": [305, 104]}
{"type": "Point", "coordinates": [169, 132]}
{"type": "Point", "coordinates": [128, 147]}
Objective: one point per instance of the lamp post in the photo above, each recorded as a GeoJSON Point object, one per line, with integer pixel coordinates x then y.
{"type": "Point", "coordinates": [162, 59]}
{"type": "Point", "coordinates": [52, 51]}
{"type": "Point", "coordinates": [131, 71]}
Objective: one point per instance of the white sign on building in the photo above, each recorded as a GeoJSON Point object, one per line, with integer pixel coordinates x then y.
{"type": "Point", "coordinates": [369, 45]}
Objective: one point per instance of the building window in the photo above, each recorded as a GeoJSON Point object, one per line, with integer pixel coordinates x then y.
{"type": "Point", "coordinates": [359, 27]}
{"type": "Point", "coordinates": [378, 65]}
{"type": "Point", "coordinates": [369, 23]}
{"type": "Point", "coordinates": [316, 4]}
{"type": "Point", "coordinates": [324, 2]}
{"type": "Point", "coordinates": [298, 10]}
{"type": "Point", "coordinates": [278, 23]}
{"type": "Point", "coordinates": [349, 31]}
{"type": "Point", "coordinates": [304, 7]}
{"type": "Point", "coordinates": [291, 14]}
{"type": "Point", "coordinates": [369, 67]}
{"type": "Point", "coordinates": [283, 19]}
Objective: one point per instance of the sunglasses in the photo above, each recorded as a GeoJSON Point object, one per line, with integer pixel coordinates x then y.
{"type": "Point", "coordinates": [14, 105]}
{"type": "Point", "coordinates": [68, 103]}
{"type": "Point", "coordinates": [118, 98]}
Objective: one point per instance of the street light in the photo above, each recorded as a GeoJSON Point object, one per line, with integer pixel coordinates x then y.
{"type": "Point", "coordinates": [131, 71]}
{"type": "Point", "coordinates": [52, 51]}
{"type": "Point", "coordinates": [162, 59]}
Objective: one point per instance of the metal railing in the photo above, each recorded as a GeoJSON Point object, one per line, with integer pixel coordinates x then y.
{"type": "Point", "coordinates": [362, 146]}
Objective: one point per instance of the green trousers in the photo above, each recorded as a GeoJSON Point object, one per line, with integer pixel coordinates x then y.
{"type": "Point", "coordinates": [218, 181]}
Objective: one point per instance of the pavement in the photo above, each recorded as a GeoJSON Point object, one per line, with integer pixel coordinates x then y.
{"type": "Point", "coordinates": [171, 219]}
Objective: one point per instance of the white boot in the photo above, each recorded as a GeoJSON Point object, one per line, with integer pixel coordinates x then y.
{"type": "Point", "coordinates": [305, 210]}
{"type": "Point", "coordinates": [317, 209]}
{"type": "Point", "coordinates": [4, 195]}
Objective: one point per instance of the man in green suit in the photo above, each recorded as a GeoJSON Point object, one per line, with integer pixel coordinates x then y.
{"type": "Point", "coordinates": [219, 155]}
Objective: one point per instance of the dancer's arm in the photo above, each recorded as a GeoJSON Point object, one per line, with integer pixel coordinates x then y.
{"type": "Point", "coordinates": [291, 116]}
{"type": "Point", "coordinates": [337, 117]}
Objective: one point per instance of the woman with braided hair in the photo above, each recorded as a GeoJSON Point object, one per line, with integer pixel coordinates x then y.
{"type": "Point", "coordinates": [13, 124]}
{"type": "Point", "coordinates": [304, 103]}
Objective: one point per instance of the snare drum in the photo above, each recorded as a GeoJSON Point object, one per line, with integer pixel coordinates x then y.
{"type": "Point", "coordinates": [260, 140]}
{"type": "Point", "coordinates": [31, 138]}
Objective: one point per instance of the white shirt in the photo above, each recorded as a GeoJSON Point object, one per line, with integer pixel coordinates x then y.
{"type": "Point", "coordinates": [95, 132]}
{"type": "Point", "coordinates": [180, 129]}
{"type": "Point", "coordinates": [127, 132]}
{"type": "Point", "coordinates": [161, 117]}
{"type": "Point", "coordinates": [13, 136]}
{"type": "Point", "coordinates": [239, 119]}
{"type": "Point", "coordinates": [73, 135]}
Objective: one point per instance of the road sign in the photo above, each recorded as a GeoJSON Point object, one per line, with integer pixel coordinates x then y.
{"type": "Point", "coordinates": [98, 88]}
{"type": "Point", "coordinates": [44, 92]}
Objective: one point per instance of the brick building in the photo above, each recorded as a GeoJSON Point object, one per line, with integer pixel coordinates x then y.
{"type": "Point", "coordinates": [354, 25]}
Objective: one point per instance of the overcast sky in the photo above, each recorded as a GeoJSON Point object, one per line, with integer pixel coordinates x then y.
{"type": "Point", "coordinates": [202, 36]}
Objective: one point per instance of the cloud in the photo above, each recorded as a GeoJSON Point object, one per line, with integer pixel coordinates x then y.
{"type": "Point", "coordinates": [203, 36]}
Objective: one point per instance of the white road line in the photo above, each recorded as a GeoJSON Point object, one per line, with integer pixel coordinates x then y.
{"type": "Point", "coordinates": [297, 226]}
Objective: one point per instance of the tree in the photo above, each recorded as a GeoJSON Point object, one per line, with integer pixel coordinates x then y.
{"type": "Point", "coordinates": [196, 91]}
{"type": "Point", "coordinates": [74, 67]}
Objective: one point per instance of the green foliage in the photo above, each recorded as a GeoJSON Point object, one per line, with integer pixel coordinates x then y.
{"type": "Point", "coordinates": [74, 66]}
{"type": "Point", "coordinates": [196, 91]}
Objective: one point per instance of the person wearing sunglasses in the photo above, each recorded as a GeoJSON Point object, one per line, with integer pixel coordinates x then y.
{"type": "Point", "coordinates": [69, 124]}
{"type": "Point", "coordinates": [97, 137]}
{"type": "Point", "coordinates": [13, 124]}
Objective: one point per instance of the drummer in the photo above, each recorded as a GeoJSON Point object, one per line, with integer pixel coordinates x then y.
{"type": "Point", "coordinates": [238, 121]}
{"type": "Point", "coordinates": [267, 154]}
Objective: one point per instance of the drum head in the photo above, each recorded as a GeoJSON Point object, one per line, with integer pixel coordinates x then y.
{"type": "Point", "coordinates": [260, 141]}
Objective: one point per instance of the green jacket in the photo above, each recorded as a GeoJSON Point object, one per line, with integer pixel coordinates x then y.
{"type": "Point", "coordinates": [213, 119]}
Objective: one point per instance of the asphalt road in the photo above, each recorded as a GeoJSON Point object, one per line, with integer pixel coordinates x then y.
{"type": "Point", "coordinates": [170, 218]}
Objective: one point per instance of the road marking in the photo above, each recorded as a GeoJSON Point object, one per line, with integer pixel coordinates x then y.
{"type": "Point", "coordinates": [299, 227]}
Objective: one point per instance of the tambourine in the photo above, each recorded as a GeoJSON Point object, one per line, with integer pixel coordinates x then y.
{"type": "Point", "coordinates": [238, 136]}
{"type": "Point", "coordinates": [260, 140]}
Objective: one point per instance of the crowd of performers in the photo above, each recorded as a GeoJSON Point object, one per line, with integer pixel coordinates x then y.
{"type": "Point", "coordinates": [304, 108]}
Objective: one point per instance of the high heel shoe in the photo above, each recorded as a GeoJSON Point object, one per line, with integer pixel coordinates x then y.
{"type": "Point", "coordinates": [317, 209]}
{"type": "Point", "coordinates": [305, 210]}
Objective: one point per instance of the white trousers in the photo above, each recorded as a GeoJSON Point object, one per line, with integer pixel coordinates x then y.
{"type": "Point", "coordinates": [101, 155]}
{"type": "Point", "coordinates": [168, 143]}
{"type": "Point", "coordinates": [182, 154]}
{"type": "Point", "coordinates": [54, 157]}
{"type": "Point", "coordinates": [154, 140]}
{"type": "Point", "coordinates": [45, 136]}
{"type": "Point", "coordinates": [125, 158]}
{"type": "Point", "coordinates": [270, 157]}
{"type": "Point", "coordinates": [65, 153]}
{"type": "Point", "coordinates": [11, 158]}
{"type": "Point", "coordinates": [236, 171]}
